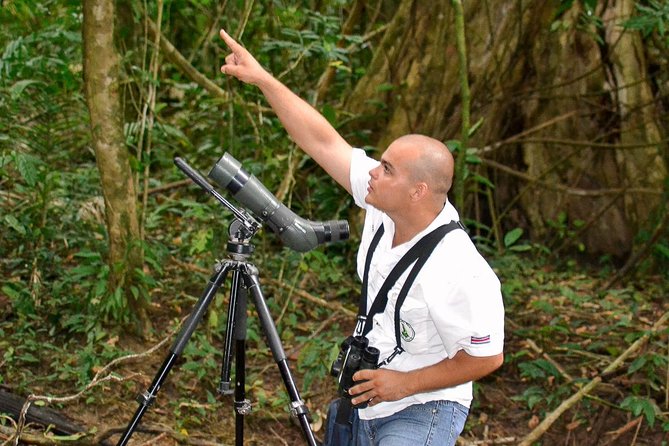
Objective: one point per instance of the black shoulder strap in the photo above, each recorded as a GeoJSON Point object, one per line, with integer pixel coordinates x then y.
{"type": "Point", "coordinates": [418, 253]}
{"type": "Point", "coordinates": [430, 245]}
{"type": "Point", "coordinates": [362, 306]}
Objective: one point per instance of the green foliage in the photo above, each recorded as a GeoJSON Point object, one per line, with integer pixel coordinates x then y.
{"type": "Point", "coordinates": [587, 22]}
{"type": "Point", "coordinates": [641, 406]}
{"type": "Point", "coordinates": [318, 40]}
{"type": "Point", "coordinates": [202, 360]}
{"type": "Point", "coordinates": [582, 332]}
{"type": "Point", "coordinates": [475, 183]}
{"type": "Point", "coordinates": [652, 17]}
{"type": "Point", "coordinates": [531, 396]}
{"type": "Point", "coordinates": [538, 369]}
{"type": "Point", "coordinates": [512, 241]}
{"type": "Point", "coordinates": [315, 358]}
{"type": "Point", "coordinates": [565, 231]}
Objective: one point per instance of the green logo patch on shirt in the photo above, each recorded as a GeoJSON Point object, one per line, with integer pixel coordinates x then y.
{"type": "Point", "coordinates": [406, 331]}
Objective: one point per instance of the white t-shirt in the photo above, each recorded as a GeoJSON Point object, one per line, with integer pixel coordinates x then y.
{"type": "Point", "coordinates": [454, 304]}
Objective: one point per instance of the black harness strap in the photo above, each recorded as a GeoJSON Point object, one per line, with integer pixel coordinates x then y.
{"type": "Point", "coordinates": [362, 306]}
{"type": "Point", "coordinates": [417, 255]}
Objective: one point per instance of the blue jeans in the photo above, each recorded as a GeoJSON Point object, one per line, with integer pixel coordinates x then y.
{"type": "Point", "coordinates": [437, 423]}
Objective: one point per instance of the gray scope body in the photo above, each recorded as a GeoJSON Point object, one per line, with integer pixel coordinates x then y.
{"type": "Point", "coordinates": [295, 232]}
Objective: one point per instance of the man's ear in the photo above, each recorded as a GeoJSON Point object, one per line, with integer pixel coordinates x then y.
{"type": "Point", "coordinates": [419, 191]}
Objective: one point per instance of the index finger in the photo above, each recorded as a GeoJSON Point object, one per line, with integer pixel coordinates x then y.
{"type": "Point", "coordinates": [232, 44]}
{"type": "Point", "coordinates": [362, 375]}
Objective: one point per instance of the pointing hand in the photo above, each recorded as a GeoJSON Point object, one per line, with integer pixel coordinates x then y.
{"type": "Point", "coordinates": [241, 64]}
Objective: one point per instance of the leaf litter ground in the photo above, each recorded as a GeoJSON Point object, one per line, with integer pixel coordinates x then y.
{"type": "Point", "coordinates": [562, 332]}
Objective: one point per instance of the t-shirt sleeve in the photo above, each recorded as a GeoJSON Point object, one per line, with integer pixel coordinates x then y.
{"type": "Point", "coordinates": [361, 164]}
{"type": "Point", "coordinates": [468, 312]}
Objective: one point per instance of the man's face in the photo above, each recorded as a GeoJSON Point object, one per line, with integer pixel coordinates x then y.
{"type": "Point", "coordinates": [390, 185]}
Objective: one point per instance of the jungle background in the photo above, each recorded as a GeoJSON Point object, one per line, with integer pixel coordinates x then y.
{"type": "Point", "coordinates": [556, 111]}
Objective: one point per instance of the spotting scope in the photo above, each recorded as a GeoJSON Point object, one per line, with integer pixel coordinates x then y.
{"type": "Point", "coordinates": [295, 232]}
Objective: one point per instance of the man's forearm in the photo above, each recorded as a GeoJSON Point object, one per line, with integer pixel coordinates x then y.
{"type": "Point", "coordinates": [310, 130]}
{"type": "Point", "coordinates": [390, 385]}
{"type": "Point", "coordinates": [458, 370]}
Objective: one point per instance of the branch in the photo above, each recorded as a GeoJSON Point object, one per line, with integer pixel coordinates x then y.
{"type": "Point", "coordinates": [644, 252]}
{"type": "Point", "coordinates": [98, 379]}
{"type": "Point", "coordinates": [526, 132]}
{"type": "Point", "coordinates": [550, 359]}
{"type": "Point", "coordinates": [174, 56]}
{"type": "Point", "coordinates": [148, 118]}
{"type": "Point", "coordinates": [169, 186]}
{"type": "Point", "coordinates": [591, 144]}
{"type": "Point", "coordinates": [336, 306]}
{"type": "Point", "coordinates": [627, 427]}
{"type": "Point", "coordinates": [486, 442]}
{"type": "Point", "coordinates": [45, 439]}
{"type": "Point", "coordinates": [567, 189]}
{"type": "Point", "coordinates": [585, 390]}
{"type": "Point", "coordinates": [179, 437]}
{"type": "Point", "coordinates": [517, 139]}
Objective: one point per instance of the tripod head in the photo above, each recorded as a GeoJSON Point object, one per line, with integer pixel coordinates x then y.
{"type": "Point", "coordinates": [295, 232]}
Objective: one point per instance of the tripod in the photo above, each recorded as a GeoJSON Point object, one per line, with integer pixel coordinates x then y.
{"type": "Point", "coordinates": [244, 280]}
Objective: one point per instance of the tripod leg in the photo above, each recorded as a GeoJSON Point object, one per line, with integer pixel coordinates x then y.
{"type": "Point", "coordinates": [242, 404]}
{"type": "Point", "coordinates": [224, 385]}
{"type": "Point", "coordinates": [236, 330]}
{"type": "Point", "coordinates": [147, 398]}
{"type": "Point", "coordinates": [298, 408]}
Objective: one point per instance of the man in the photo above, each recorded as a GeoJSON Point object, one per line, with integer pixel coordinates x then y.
{"type": "Point", "coordinates": [452, 319]}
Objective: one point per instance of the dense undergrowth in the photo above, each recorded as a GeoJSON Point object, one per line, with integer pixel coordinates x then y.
{"type": "Point", "coordinates": [562, 332]}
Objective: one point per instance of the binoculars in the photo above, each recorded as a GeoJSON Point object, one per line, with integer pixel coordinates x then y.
{"type": "Point", "coordinates": [355, 354]}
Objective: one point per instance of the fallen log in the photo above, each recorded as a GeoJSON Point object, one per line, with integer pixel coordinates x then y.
{"type": "Point", "coordinates": [12, 405]}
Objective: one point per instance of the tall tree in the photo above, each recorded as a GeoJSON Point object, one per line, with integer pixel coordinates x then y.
{"type": "Point", "coordinates": [572, 134]}
{"type": "Point", "coordinates": [101, 79]}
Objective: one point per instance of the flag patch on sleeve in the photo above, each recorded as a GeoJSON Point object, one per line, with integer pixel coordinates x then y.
{"type": "Point", "coordinates": [478, 340]}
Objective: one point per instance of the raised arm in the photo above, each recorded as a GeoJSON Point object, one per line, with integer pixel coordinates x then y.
{"type": "Point", "coordinates": [305, 125]}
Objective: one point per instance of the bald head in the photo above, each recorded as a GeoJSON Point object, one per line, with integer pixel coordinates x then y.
{"type": "Point", "coordinates": [431, 163]}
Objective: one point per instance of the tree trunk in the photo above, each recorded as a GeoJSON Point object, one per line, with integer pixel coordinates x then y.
{"type": "Point", "coordinates": [101, 78]}
{"type": "Point", "coordinates": [572, 137]}
{"type": "Point", "coordinates": [637, 110]}
{"type": "Point", "coordinates": [411, 83]}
